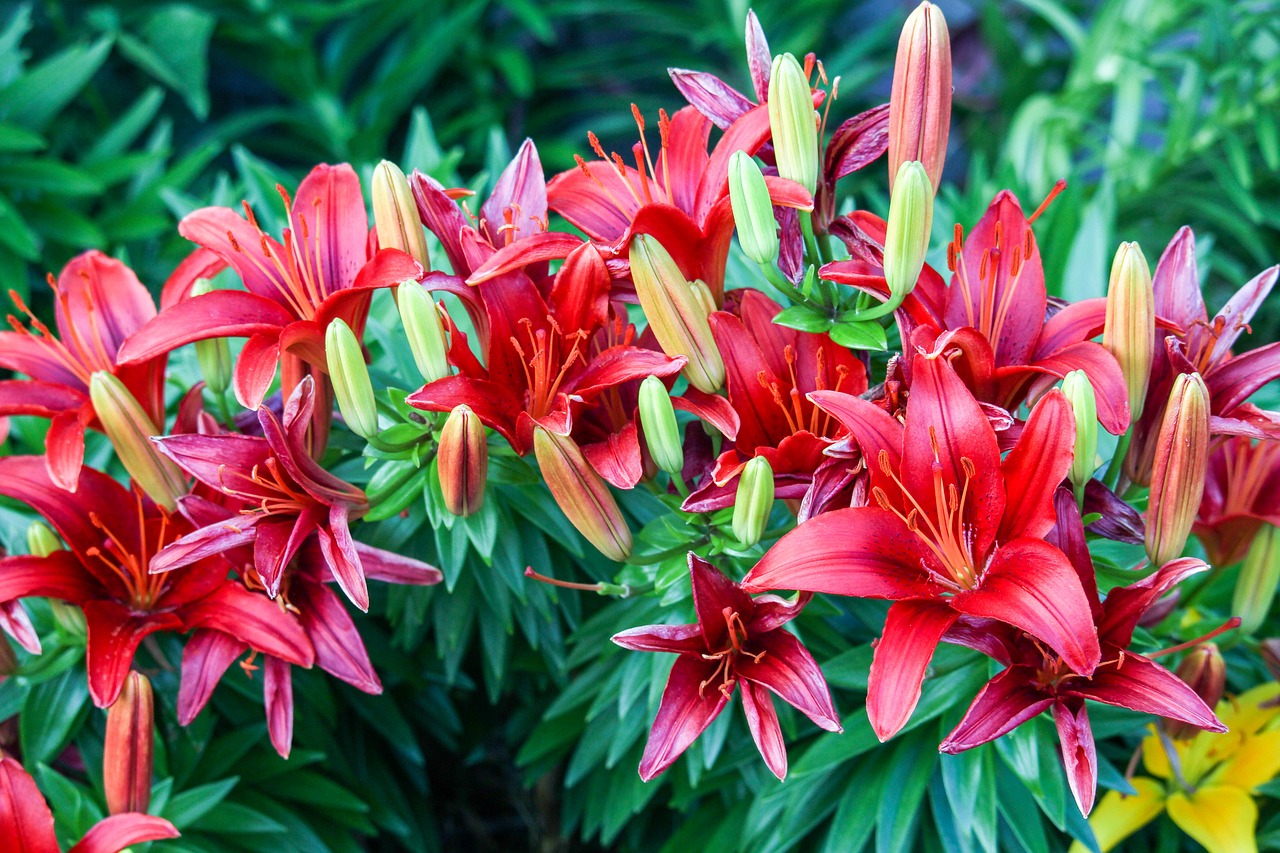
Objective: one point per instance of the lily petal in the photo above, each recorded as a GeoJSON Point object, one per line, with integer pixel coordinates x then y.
{"type": "Point", "coordinates": [1141, 684]}
{"type": "Point", "coordinates": [684, 713]}
{"type": "Point", "coordinates": [1005, 702]}
{"type": "Point", "coordinates": [679, 639]}
{"type": "Point", "coordinates": [789, 670]}
{"type": "Point", "coordinates": [339, 649]}
{"type": "Point", "coordinates": [1222, 818]}
{"type": "Point", "coordinates": [205, 658]}
{"type": "Point", "coordinates": [911, 633]}
{"type": "Point", "coordinates": [114, 634]}
{"type": "Point", "coordinates": [1079, 754]}
{"type": "Point", "coordinates": [255, 368]}
{"type": "Point", "coordinates": [217, 314]}
{"type": "Point", "coordinates": [277, 697]}
{"type": "Point", "coordinates": [1125, 605]}
{"type": "Point", "coordinates": [59, 575]}
{"type": "Point", "coordinates": [118, 832]}
{"type": "Point", "coordinates": [26, 824]}
{"type": "Point", "coordinates": [762, 720]}
{"type": "Point", "coordinates": [340, 554]}
{"type": "Point", "coordinates": [1035, 468]}
{"type": "Point", "coordinates": [253, 619]}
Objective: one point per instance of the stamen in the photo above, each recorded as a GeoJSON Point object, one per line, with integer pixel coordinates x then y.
{"type": "Point", "coordinates": [1053, 193]}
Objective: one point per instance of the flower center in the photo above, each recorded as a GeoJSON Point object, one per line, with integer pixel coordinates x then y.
{"type": "Point", "coordinates": [802, 415]}
{"type": "Point", "coordinates": [78, 356]}
{"type": "Point", "coordinates": [131, 567]}
{"type": "Point", "coordinates": [1248, 468]}
{"type": "Point", "coordinates": [645, 178]}
{"type": "Point", "coordinates": [723, 675]}
{"type": "Point", "coordinates": [547, 361]}
{"type": "Point", "coordinates": [268, 490]}
{"type": "Point", "coordinates": [296, 270]}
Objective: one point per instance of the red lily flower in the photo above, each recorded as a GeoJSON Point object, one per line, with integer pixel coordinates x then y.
{"type": "Point", "coordinates": [98, 303]}
{"type": "Point", "coordinates": [1241, 493]}
{"type": "Point", "coordinates": [113, 536]}
{"type": "Point", "coordinates": [770, 369]}
{"type": "Point", "coordinates": [737, 640]}
{"type": "Point", "coordinates": [26, 824]}
{"type": "Point", "coordinates": [1198, 345]}
{"type": "Point", "coordinates": [1036, 679]}
{"type": "Point", "coordinates": [954, 530]}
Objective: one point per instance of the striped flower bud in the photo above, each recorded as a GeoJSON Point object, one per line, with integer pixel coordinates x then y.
{"type": "Point", "coordinates": [920, 102]}
{"type": "Point", "coordinates": [130, 430]}
{"type": "Point", "coordinates": [907, 233]}
{"type": "Point", "coordinates": [582, 495]}
{"type": "Point", "coordinates": [213, 355]}
{"type": "Point", "coordinates": [676, 313]}
{"type": "Point", "coordinates": [1130, 330]}
{"type": "Point", "coordinates": [1178, 473]}
{"type": "Point", "coordinates": [126, 754]}
{"type": "Point", "coordinates": [793, 122]}
{"type": "Point", "coordinates": [463, 461]}
{"type": "Point", "coordinates": [1079, 392]}
{"type": "Point", "coordinates": [395, 213]}
{"type": "Point", "coordinates": [661, 432]}
{"type": "Point", "coordinates": [752, 209]}
{"type": "Point", "coordinates": [754, 501]}
{"type": "Point", "coordinates": [424, 329]}
{"type": "Point", "coordinates": [1205, 672]}
{"type": "Point", "coordinates": [702, 294]}
{"type": "Point", "coordinates": [1256, 583]}
{"type": "Point", "coordinates": [350, 378]}
{"type": "Point", "coordinates": [41, 540]}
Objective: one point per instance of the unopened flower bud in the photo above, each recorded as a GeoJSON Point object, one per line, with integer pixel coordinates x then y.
{"type": "Point", "coordinates": [213, 355]}
{"type": "Point", "coordinates": [754, 501]}
{"type": "Point", "coordinates": [1130, 330]}
{"type": "Point", "coordinates": [395, 213]}
{"type": "Point", "coordinates": [1205, 671]}
{"type": "Point", "coordinates": [752, 209]}
{"type": "Point", "coordinates": [1178, 473]}
{"type": "Point", "coordinates": [702, 293]}
{"type": "Point", "coordinates": [677, 315]}
{"type": "Point", "coordinates": [42, 541]}
{"type": "Point", "coordinates": [1270, 651]}
{"type": "Point", "coordinates": [350, 377]}
{"type": "Point", "coordinates": [126, 755]}
{"type": "Point", "coordinates": [793, 122]}
{"type": "Point", "coordinates": [906, 239]}
{"type": "Point", "coordinates": [1256, 583]}
{"type": "Point", "coordinates": [424, 329]}
{"type": "Point", "coordinates": [582, 495]}
{"type": "Point", "coordinates": [1079, 393]}
{"type": "Point", "coordinates": [920, 102]}
{"type": "Point", "coordinates": [463, 461]}
{"type": "Point", "coordinates": [130, 430]}
{"type": "Point", "coordinates": [661, 432]}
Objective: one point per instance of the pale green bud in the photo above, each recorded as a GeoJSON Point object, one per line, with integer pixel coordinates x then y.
{"type": "Point", "coordinates": [793, 122]}
{"type": "Point", "coordinates": [752, 209]}
{"type": "Point", "coordinates": [1079, 392]}
{"type": "Point", "coordinates": [754, 501]}
{"type": "Point", "coordinates": [350, 377]}
{"type": "Point", "coordinates": [41, 540]}
{"type": "Point", "coordinates": [1256, 585]}
{"type": "Point", "coordinates": [907, 233]}
{"type": "Point", "coordinates": [661, 432]}
{"type": "Point", "coordinates": [1130, 329]}
{"type": "Point", "coordinates": [424, 329]}
{"type": "Point", "coordinates": [130, 430]}
{"type": "Point", "coordinates": [395, 213]}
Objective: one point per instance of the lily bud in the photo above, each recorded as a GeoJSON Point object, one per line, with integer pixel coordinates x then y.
{"type": "Point", "coordinates": [41, 541]}
{"type": "Point", "coordinates": [677, 315]}
{"type": "Point", "coordinates": [907, 233]}
{"type": "Point", "coordinates": [424, 329]}
{"type": "Point", "coordinates": [213, 355]}
{"type": "Point", "coordinates": [1177, 476]}
{"type": "Point", "coordinates": [350, 377]}
{"type": "Point", "coordinates": [702, 294]}
{"type": "Point", "coordinates": [463, 461]}
{"type": "Point", "coordinates": [130, 430]}
{"type": "Point", "coordinates": [754, 501]}
{"type": "Point", "coordinates": [793, 122]}
{"type": "Point", "coordinates": [395, 213]}
{"type": "Point", "coordinates": [582, 495]}
{"type": "Point", "coordinates": [1079, 392]}
{"type": "Point", "coordinates": [920, 102]}
{"type": "Point", "coordinates": [661, 432]}
{"type": "Point", "coordinates": [1130, 330]}
{"type": "Point", "coordinates": [752, 209]}
{"type": "Point", "coordinates": [1256, 584]}
{"type": "Point", "coordinates": [1205, 672]}
{"type": "Point", "coordinates": [126, 755]}
{"type": "Point", "coordinates": [1270, 651]}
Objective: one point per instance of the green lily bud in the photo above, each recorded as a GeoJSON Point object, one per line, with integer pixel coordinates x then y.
{"type": "Point", "coordinates": [1130, 330]}
{"type": "Point", "coordinates": [1079, 392]}
{"type": "Point", "coordinates": [583, 496]}
{"type": "Point", "coordinates": [793, 122]}
{"type": "Point", "coordinates": [130, 430]}
{"type": "Point", "coordinates": [1256, 585]}
{"type": "Point", "coordinates": [41, 540]}
{"type": "Point", "coordinates": [920, 102]}
{"type": "Point", "coordinates": [214, 355]}
{"type": "Point", "coordinates": [350, 377]}
{"type": "Point", "coordinates": [424, 329]}
{"type": "Point", "coordinates": [661, 432]}
{"type": "Point", "coordinates": [676, 313]}
{"type": "Point", "coordinates": [752, 209]}
{"type": "Point", "coordinates": [1178, 474]}
{"type": "Point", "coordinates": [907, 233]}
{"type": "Point", "coordinates": [463, 461]}
{"type": "Point", "coordinates": [1205, 671]}
{"type": "Point", "coordinates": [754, 501]}
{"type": "Point", "coordinates": [395, 213]}
{"type": "Point", "coordinates": [127, 750]}
{"type": "Point", "coordinates": [702, 293]}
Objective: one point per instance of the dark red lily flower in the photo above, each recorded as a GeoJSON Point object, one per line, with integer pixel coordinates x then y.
{"type": "Point", "coordinates": [954, 531]}
{"type": "Point", "coordinates": [113, 536]}
{"type": "Point", "coordinates": [1241, 493]}
{"type": "Point", "coordinates": [1200, 345]}
{"type": "Point", "coordinates": [98, 303]}
{"type": "Point", "coordinates": [770, 370]}
{"type": "Point", "coordinates": [26, 824]}
{"type": "Point", "coordinates": [1036, 679]}
{"type": "Point", "coordinates": [737, 640]}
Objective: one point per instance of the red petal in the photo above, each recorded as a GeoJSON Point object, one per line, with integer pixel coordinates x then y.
{"type": "Point", "coordinates": [218, 314]}
{"type": "Point", "coordinates": [277, 699]}
{"type": "Point", "coordinates": [518, 203]}
{"type": "Point", "coordinates": [64, 443]}
{"type": "Point", "coordinates": [59, 575]}
{"type": "Point", "coordinates": [679, 639]}
{"type": "Point", "coordinates": [617, 458]}
{"type": "Point", "coordinates": [277, 539]}
{"type": "Point", "coordinates": [790, 671]}
{"type": "Point", "coordinates": [1104, 374]}
{"type": "Point", "coordinates": [761, 421]}
{"type": "Point", "coordinates": [1234, 380]}
{"type": "Point", "coordinates": [26, 824]}
{"type": "Point", "coordinates": [762, 720]}
{"type": "Point", "coordinates": [911, 633]}
{"type": "Point", "coordinates": [595, 199]}
{"type": "Point", "coordinates": [495, 405]}
{"type": "Point", "coordinates": [1004, 703]}
{"type": "Point", "coordinates": [857, 142]}
{"type": "Point", "coordinates": [204, 659]}
{"type": "Point", "coordinates": [253, 619]}
{"type": "Point", "coordinates": [1142, 685]}
{"type": "Point", "coordinates": [117, 832]}
{"type": "Point", "coordinates": [747, 134]}
{"type": "Point", "coordinates": [1176, 283]}
{"type": "Point", "coordinates": [35, 397]}
{"type": "Point", "coordinates": [391, 567]}
{"type": "Point", "coordinates": [710, 95]}
{"type": "Point", "coordinates": [713, 593]}
{"type": "Point", "coordinates": [442, 217]}
{"type": "Point", "coordinates": [536, 248]}
{"type": "Point", "coordinates": [1079, 754]}
{"type": "Point", "coordinates": [1068, 537]}
{"type": "Point", "coordinates": [1035, 468]}
{"type": "Point", "coordinates": [685, 712]}
{"type": "Point", "coordinates": [215, 538]}
{"type": "Point", "coordinates": [621, 364]}
{"type": "Point", "coordinates": [255, 368]}
{"type": "Point", "coordinates": [100, 302]}
{"type": "Point", "coordinates": [202, 263]}
{"type": "Point", "coordinates": [759, 59]}
{"type": "Point", "coordinates": [339, 649]}
{"type": "Point", "coordinates": [875, 431]}
{"type": "Point", "coordinates": [580, 293]}
{"type": "Point", "coordinates": [785, 193]}
{"type": "Point", "coordinates": [24, 478]}
{"type": "Point", "coordinates": [1235, 315]}
{"type": "Point", "coordinates": [17, 624]}
{"type": "Point", "coordinates": [37, 358]}
{"type": "Point", "coordinates": [711, 408]}
{"type": "Point", "coordinates": [330, 225]}
{"type": "Point", "coordinates": [114, 634]}
{"type": "Point", "coordinates": [1077, 322]}
{"type": "Point", "coordinates": [340, 554]}
{"type": "Point", "coordinates": [1125, 605]}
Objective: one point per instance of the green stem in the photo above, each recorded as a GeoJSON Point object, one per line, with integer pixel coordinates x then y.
{"type": "Point", "coordinates": [224, 409]}
{"type": "Point", "coordinates": [811, 254]}
{"type": "Point", "coordinates": [779, 283]}
{"type": "Point", "coordinates": [1112, 477]}
{"type": "Point", "coordinates": [681, 486]}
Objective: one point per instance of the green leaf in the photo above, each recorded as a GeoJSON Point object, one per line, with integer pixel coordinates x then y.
{"type": "Point", "coordinates": [865, 335]}
{"type": "Point", "coordinates": [231, 818]}
{"type": "Point", "coordinates": [35, 98]}
{"type": "Point", "coordinates": [49, 176]}
{"type": "Point", "coordinates": [15, 139]}
{"type": "Point", "coordinates": [804, 318]}
{"type": "Point", "coordinates": [908, 775]}
{"type": "Point", "coordinates": [194, 803]}
{"type": "Point", "coordinates": [174, 49]}
{"type": "Point", "coordinates": [51, 714]}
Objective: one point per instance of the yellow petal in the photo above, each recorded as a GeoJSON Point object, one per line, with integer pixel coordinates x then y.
{"type": "Point", "coordinates": [1243, 714]}
{"type": "Point", "coordinates": [1117, 817]}
{"type": "Point", "coordinates": [1256, 762]}
{"type": "Point", "coordinates": [1154, 757]}
{"type": "Point", "coordinates": [1220, 817]}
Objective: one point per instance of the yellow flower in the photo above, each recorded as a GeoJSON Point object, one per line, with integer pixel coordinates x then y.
{"type": "Point", "coordinates": [1207, 788]}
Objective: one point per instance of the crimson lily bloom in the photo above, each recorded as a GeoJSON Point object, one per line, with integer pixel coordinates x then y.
{"type": "Point", "coordinates": [737, 640]}
{"type": "Point", "coordinates": [954, 531]}
{"type": "Point", "coordinates": [98, 303]}
{"type": "Point", "coordinates": [1037, 680]}
{"type": "Point", "coordinates": [113, 536]}
{"type": "Point", "coordinates": [770, 369]}
{"type": "Point", "coordinates": [26, 824]}
{"type": "Point", "coordinates": [1241, 493]}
